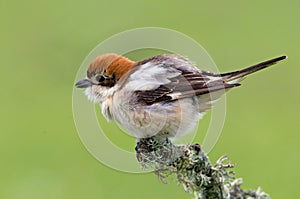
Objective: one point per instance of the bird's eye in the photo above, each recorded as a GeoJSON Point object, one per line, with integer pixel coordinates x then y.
{"type": "Point", "coordinates": [100, 78]}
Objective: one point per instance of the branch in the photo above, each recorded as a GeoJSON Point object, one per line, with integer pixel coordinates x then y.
{"type": "Point", "coordinates": [193, 170]}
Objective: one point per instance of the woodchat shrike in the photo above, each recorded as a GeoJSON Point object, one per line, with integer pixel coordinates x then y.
{"type": "Point", "coordinates": [165, 95]}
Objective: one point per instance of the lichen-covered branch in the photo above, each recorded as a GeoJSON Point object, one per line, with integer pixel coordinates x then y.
{"type": "Point", "coordinates": [193, 170]}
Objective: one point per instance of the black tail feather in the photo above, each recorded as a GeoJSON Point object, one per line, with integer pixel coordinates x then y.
{"type": "Point", "coordinates": [241, 73]}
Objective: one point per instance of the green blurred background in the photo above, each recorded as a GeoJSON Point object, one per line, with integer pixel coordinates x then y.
{"type": "Point", "coordinates": [43, 44]}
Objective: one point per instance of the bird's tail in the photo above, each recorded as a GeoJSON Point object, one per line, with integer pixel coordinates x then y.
{"type": "Point", "coordinates": [236, 76]}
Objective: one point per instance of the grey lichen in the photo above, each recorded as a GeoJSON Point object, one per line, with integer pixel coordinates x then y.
{"type": "Point", "coordinates": [193, 170]}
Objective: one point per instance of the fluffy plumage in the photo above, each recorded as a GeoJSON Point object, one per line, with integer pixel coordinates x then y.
{"type": "Point", "coordinates": [164, 95]}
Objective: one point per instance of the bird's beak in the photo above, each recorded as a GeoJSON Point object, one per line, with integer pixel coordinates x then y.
{"type": "Point", "coordinates": [83, 83]}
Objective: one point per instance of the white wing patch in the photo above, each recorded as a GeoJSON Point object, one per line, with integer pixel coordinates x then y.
{"type": "Point", "coordinates": [150, 76]}
{"type": "Point", "coordinates": [175, 95]}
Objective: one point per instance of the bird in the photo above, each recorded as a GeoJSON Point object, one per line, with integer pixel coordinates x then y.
{"type": "Point", "coordinates": [164, 96]}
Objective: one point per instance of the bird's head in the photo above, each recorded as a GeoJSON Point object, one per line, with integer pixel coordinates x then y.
{"type": "Point", "coordinates": [103, 74]}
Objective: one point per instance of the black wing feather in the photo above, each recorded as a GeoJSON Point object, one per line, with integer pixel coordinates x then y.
{"type": "Point", "coordinates": [192, 81]}
{"type": "Point", "coordinates": [188, 84]}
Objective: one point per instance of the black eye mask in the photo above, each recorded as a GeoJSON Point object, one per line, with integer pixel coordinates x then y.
{"type": "Point", "coordinates": [100, 78]}
{"type": "Point", "coordinates": [106, 80]}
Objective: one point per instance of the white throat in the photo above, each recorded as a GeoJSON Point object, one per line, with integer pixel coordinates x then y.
{"type": "Point", "coordinates": [102, 96]}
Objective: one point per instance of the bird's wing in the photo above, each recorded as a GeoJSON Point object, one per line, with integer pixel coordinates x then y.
{"type": "Point", "coordinates": [169, 77]}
